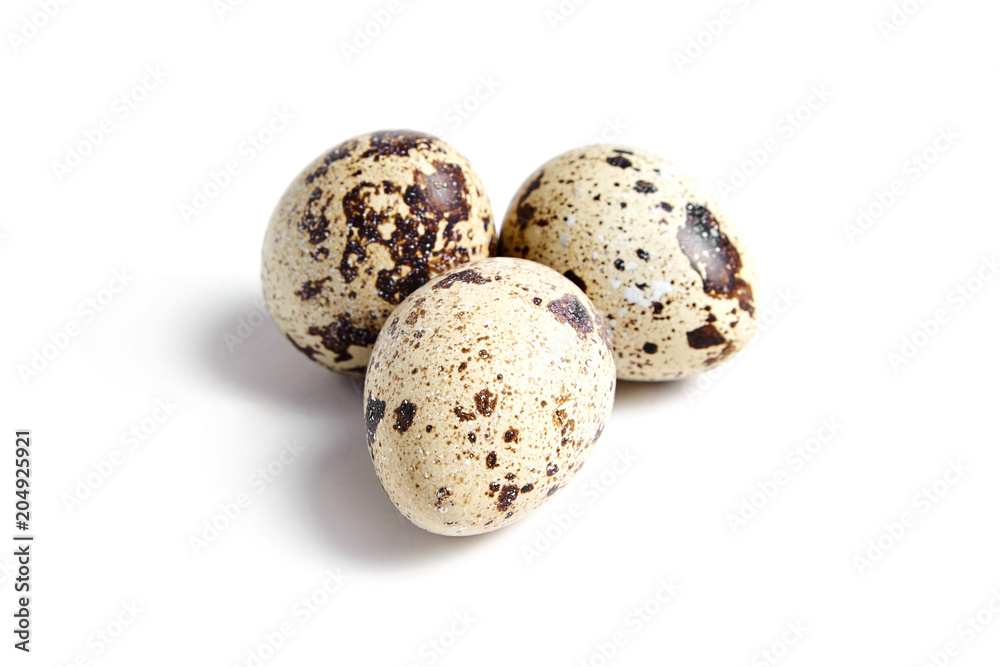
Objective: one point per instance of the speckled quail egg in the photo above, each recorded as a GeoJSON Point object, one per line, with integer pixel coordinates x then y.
{"type": "Point", "coordinates": [485, 395]}
{"type": "Point", "coordinates": [362, 227]}
{"type": "Point", "coordinates": [653, 250]}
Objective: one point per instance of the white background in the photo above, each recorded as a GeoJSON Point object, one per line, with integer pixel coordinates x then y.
{"type": "Point", "coordinates": [697, 449]}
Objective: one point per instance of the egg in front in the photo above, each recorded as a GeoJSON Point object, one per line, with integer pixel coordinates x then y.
{"type": "Point", "coordinates": [485, 395]}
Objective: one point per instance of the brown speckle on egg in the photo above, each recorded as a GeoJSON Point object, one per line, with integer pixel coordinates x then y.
{"type": "Point", "coordinates": [361, 228]}
{"type": "Point", "coordinates": [652, 248]}
{"type": "Point", "coordinates": [542, 391]}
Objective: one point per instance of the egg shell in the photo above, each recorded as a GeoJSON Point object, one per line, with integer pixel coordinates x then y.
{"type": "Point", "coordinates": [362, 227]}
{"type": "Point", "coordinates": [651, 247]}
{"type": "Point", "coordinates": [486, 394]}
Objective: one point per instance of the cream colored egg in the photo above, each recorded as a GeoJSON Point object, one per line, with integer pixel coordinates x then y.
{"type": "Point", "coordinates": [485, 395]}
{"type": "Point", "coordinates": [651, 247]}
{"type": "Point", "coordinates": [362, 227]}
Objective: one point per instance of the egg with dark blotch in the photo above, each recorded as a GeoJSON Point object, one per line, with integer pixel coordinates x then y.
{"type": "Point", "coordinates": [485, 395]}
{"type": "Point", "coordinates": [651, 247]}
{"type": "Point", "coordinates": [362, 227]}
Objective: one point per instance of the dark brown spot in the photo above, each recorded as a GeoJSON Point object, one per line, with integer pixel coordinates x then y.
{"type": "Point", "coordinates": [483, 354]}
{"type": "Point", "coordinates": [706, 336]}
{"type": "Point", "coordinates": [525, 211]}
{"type": "Point", "coordinates": [442, 495]}
{"type": "Point", "coordinates": [620, 264]}
{"type": "Point", "coordinates": [537, 301]}
{"type": "Point", "coordinates": [494, 486]}
{"type": "Point", "coordinates": [397, 142]}
{"type": "Point", "coordinates": [714, 257]}
{"type": "Point", "coordinates": [436, 203]}
{"type": "Point", "coordinates": [576, 280]}
{"type": "Point", "coordinates": [443, 194]}
{"type": "Point", "coordinates": [507, 496]}
{"type": "Point", "coordinates": [551, 469]}
{"type": "Point", "coordinates": [666, 207]}
{"type": "Point", "coordinates": [552, 490]}
{"type": "Point", "coordinates": [320, 254]}
{"type": "Point", "coordinates": [527, 487]}
{"type": "Point", "coordinates": [314, 221]}
{"type": "Point", "coordinates": [657, 308]}
{"type": "Point", "coordinates": [404, 416]}
{"type": "Point", "coordinates": [307, 350]}
{"type": "Point", "coordinates": [339, 336]}
{"type": "Point", "coordinates": [510, 435]}
{"type": "Point", "coordinates": [471, 436]}
{"type": "Point", "coordinates": [339, 153]}
{"type": "Point", "coordinates": [311, 288]}
{"type": "Point", "coordinates": [462, 366]}
{"type": "Point", "coordinates": [464, 416]}
{"type": "Point", "coordinates": [568, 310]}
{"type": "Point", "coordinates": [620, 162]}
{"type": "Point", "coordinates": [510, 477]}
{"type": "Point", "coordinates": [470, 276]}
{"type": "Point", "coordinates": [429, 428]}
{"type": "Point", "coordinates": [373, 415]}
{"type": "Point", "coordinates": [650, 348]}
{"type": "Point", "coordinates": [486, 401]}
{"type": "Point", "coordinates": [642, 254]}
{"type": "Point", "coordinates": [491, 460]}
{"type": "Point", "coordinates": [645, 187]}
